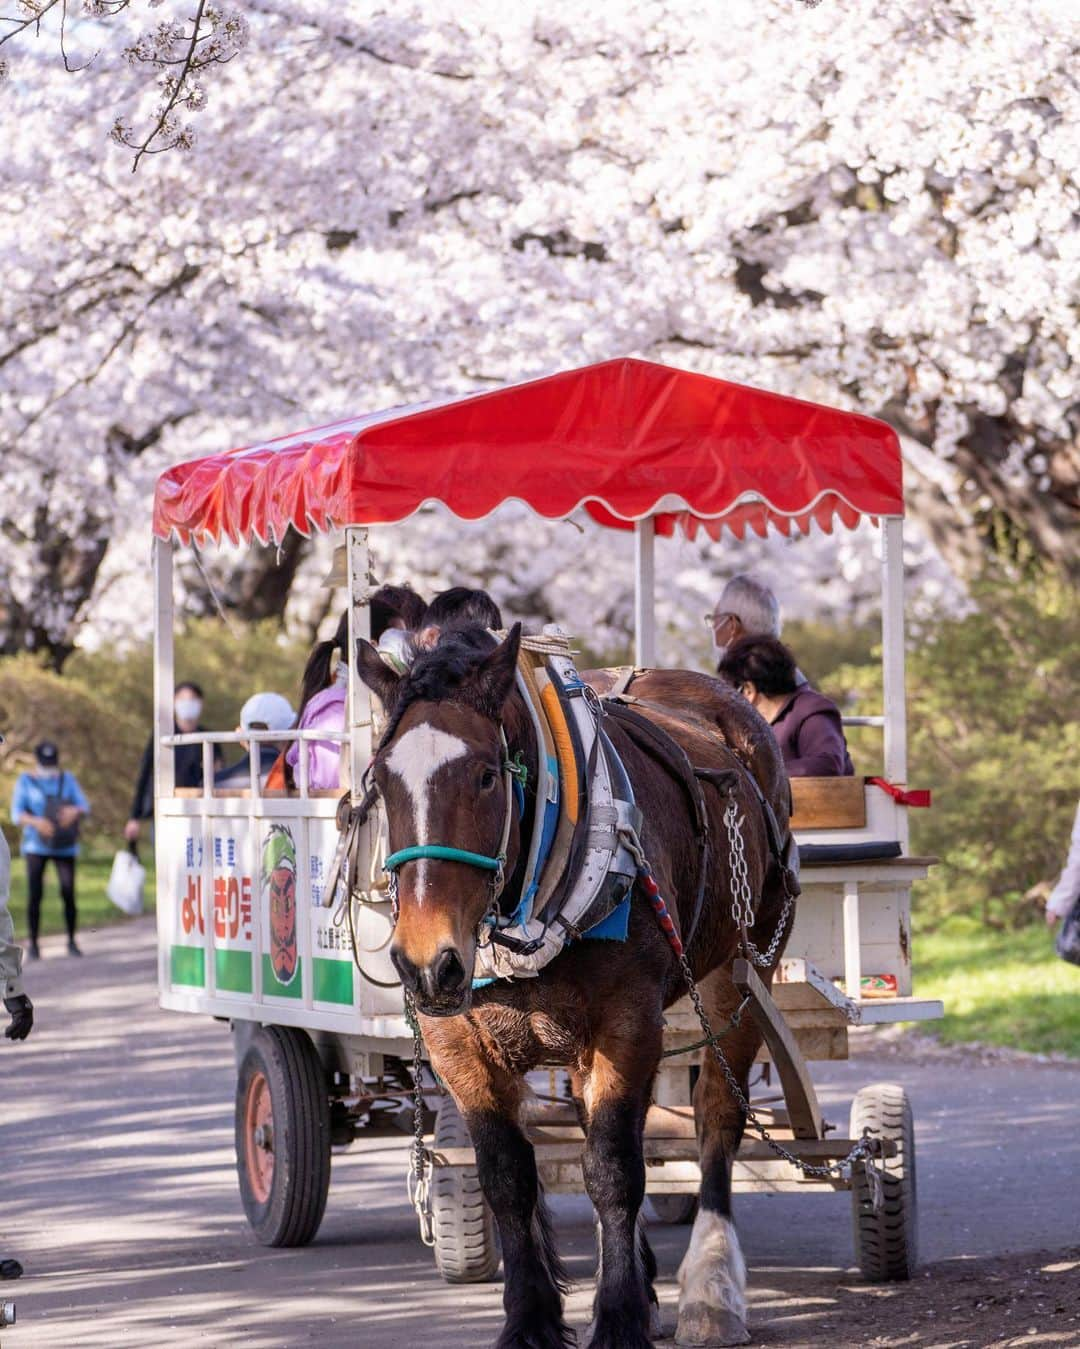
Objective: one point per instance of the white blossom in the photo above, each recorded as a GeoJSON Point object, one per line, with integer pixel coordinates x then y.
{"type": "Point", "coordinates": [870, 206]}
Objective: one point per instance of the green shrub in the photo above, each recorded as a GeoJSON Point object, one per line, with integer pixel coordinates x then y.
{"type": "Point", "coordinates": [992, 730]}
{"type": "Point", "coordinates": [100, 710]}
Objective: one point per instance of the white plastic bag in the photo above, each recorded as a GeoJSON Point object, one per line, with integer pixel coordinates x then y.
{"type": "Point", "coordinates": [125, 884]}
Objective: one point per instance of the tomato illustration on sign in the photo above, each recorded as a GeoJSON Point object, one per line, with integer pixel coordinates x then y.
{"type": "Point", "coordinates": [279, 888]}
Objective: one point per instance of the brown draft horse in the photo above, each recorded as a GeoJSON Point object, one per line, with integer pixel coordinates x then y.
{"type": "Point", "coordinates": [597, 1008]}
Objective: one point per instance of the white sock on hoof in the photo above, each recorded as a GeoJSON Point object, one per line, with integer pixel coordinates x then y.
{"type": "Point", "coordinates": [713, 1271]}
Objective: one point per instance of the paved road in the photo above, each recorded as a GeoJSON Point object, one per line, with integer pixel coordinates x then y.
{"type": "Point", "coordinates": [120, 1193]}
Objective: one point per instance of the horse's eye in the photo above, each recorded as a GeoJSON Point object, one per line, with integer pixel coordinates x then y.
{"type": "Point", "coordinates": [488, 779]}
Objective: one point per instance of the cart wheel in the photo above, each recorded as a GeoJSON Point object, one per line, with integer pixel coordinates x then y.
{"type": "Point", "coordinates": [886, 1242]}
{"type": "Point", "coordinates": [466, 1250]}
{"type": "Point", "coordinates": [673, 1210]}
{"type": "Point", "coordinates": [282, 1136]}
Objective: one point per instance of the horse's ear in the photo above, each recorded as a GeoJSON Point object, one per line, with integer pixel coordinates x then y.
{"type": "Point", "coordinates": [496, 672]}
{"type": "Point", "coordinates": [376, 674]}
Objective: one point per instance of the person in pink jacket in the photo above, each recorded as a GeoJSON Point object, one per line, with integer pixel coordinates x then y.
{"type": "Point", "coordinates": [323, 691]}
{"type": "Point", "coordinates": [324, 688]}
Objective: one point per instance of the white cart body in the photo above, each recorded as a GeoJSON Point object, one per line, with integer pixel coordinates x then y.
{"type": "Point", "coordinates": [219, 951]}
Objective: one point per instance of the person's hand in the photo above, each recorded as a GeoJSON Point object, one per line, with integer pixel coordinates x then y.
{"type": "Point", "coordinates": [68, 815]}
{"type": "Point", "coordinates": [45, 826]}
{"type": "Point", "coordinates": [21, 1011]}
{"type": "Point", "coordinates": [1052, 918]}
{"type": "Point", "coordinates": [131, 830]}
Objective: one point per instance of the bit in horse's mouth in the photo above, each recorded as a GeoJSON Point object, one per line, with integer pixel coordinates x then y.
{"type": "Point", "coordinates": [445, 1009]}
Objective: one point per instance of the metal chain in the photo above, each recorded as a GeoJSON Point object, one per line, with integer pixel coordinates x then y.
{"type": "Point", "coordinates": [419, 1181]}
{"type": "Point", "coordinates": [742, 901]}
{"type": "Point", "coordinates": [863, 1149]}
{"type": "Point", "coordinates": [744, 915]}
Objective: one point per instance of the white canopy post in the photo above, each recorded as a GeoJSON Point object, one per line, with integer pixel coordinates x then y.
{"type": "Point", "coordinates": [164, 668]}
{"type": "Point", "coordinates": [358, 559]}
{"type": "Point", "coordinates": [892, 641]}
{"type": "Point", "coordinates": [164, 757]}
{"type": "Point", "coordinates": [644, 592]}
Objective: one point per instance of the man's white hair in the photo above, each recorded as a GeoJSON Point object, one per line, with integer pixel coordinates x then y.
{"type": "Point", "coordinates": [753, 604]}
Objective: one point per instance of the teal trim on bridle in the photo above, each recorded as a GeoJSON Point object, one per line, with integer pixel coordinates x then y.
{"type": "Point", "coordinates": [442, 853]}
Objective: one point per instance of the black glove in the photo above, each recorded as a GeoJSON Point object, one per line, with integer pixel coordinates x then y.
{"type": "Point", "coordinates": [21, 1011]}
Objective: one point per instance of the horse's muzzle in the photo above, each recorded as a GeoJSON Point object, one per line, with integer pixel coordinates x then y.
{"type": "Point", "coordinates": [441, 988]}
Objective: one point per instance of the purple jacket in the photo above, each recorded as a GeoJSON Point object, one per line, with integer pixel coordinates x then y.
{"type": "Point", "coordinates": [811, 738]}
{"type": "Point", "coordinates": [325, 712]}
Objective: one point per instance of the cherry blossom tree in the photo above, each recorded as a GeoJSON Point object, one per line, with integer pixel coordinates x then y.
{"type": "Point", "coordinates": [874, 207]}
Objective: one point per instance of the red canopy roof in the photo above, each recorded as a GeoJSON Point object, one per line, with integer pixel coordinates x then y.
{"type": "Point", "coordinates": [625, 439]}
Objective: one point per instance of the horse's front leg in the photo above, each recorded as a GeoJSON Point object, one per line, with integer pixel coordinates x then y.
{"type": "Point", "coordinates": [488, 1095]}
{"type": "Point", "coordinates": [712, 1276]}
{"type": "Point", "coordinates": [617, 1086]}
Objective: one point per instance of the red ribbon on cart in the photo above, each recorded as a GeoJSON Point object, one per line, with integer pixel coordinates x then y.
{"type": "Point", "coordinates": [900, 795]}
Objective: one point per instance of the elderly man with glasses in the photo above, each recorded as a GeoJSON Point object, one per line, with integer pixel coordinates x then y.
{"type": "Point", "coordinates": [746, 608]}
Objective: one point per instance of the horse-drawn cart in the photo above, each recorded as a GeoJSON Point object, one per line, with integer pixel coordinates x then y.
{"type": "Point", "coordinates": [249, 934]}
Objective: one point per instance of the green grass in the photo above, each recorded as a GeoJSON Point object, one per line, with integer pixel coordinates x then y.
{"type": "Point", "coordinates": [1000, 988]}
{"type": "Point", "coordinates": [95, 907]}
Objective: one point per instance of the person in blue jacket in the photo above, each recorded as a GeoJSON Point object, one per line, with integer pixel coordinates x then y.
{"type": "Point", "coordinates": [49, 805]}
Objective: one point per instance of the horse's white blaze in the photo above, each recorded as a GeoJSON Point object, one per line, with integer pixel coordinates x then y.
{"type": "Point", "coordinates": [415, 759]}
{"type": "Point", "coordinates": [713, 1272]}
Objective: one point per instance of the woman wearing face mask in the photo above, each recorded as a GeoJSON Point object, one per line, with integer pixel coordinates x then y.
{"type": "Point", "coordinates": [806, 724]}
{"type": "Point", "coordinates": [187, 709]}
{"type": "Point", "coordinates": [49, 805]}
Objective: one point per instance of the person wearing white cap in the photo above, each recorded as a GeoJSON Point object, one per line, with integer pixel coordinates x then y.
{"type": "Point", "coordinates": [262, 712]}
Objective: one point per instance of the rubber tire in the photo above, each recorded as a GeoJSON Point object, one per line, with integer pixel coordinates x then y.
{"type": "Point", "coordinates": [886, 1242]}
{"type": "Point", "coordinates": [673, 1210]}
{"type": "Point", "coordinates": [466, 1247]}
{"type": "Point", "coordinates": [300, 1116]}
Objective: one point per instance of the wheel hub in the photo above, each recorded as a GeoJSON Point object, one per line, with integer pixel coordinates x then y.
{"type": "Point", "coordinates": [259, 1137]}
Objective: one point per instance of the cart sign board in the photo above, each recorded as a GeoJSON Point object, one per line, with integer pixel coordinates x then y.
{"type": "Point", "coordinates": [182, 842]}
{"type": "Point", "coordinates": [234, 888]}
{"type": "Point", "coordinates": [244, 912]}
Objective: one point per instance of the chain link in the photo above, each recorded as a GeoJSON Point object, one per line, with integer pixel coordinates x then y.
{"type": "Point", "coordinates": [419, 1181]}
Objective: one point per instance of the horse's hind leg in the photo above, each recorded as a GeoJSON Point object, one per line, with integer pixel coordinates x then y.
{"type": "Point", "coordinates": [617, 1086]}
{"type": "Point", "coordinates": [712, 1276]}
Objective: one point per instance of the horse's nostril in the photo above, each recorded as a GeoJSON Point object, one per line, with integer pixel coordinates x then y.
{"type": "Point", "coordinates": [447, 971]}
{"type": "Point", "coordinates": [409, 974]}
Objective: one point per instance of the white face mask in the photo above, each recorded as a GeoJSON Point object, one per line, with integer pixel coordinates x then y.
{"type": "Point", "coordinates": [49, 774]}
{"type": "Point", "coordinates": [188, 709]}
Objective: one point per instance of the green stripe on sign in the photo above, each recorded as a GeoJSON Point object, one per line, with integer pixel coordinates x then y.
{"type": "Point", "coordinates": [233, 972]}
{"type": "Point", "coordinates": [188, 966]}
{"type": "Point", "coordinates": [274, 988]}
{"type": "Point", "coordinates": [334, 981]}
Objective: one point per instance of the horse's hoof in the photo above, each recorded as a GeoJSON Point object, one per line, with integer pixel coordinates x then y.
{"type": "Point", "coordinates": [703, 1327]}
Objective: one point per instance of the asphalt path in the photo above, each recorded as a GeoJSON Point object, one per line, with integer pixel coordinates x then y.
{"type": "Point", "coordinates": [120, 1198]}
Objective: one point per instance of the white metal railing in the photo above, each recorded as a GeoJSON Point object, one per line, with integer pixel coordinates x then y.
{"type": "Point", "coordinates": [208, 739]}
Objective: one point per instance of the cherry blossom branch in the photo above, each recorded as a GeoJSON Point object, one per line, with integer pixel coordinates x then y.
{"type": "Point", "coordinates": [35, 13]}
{"type": "Point", "coordinates": [214, 39]}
